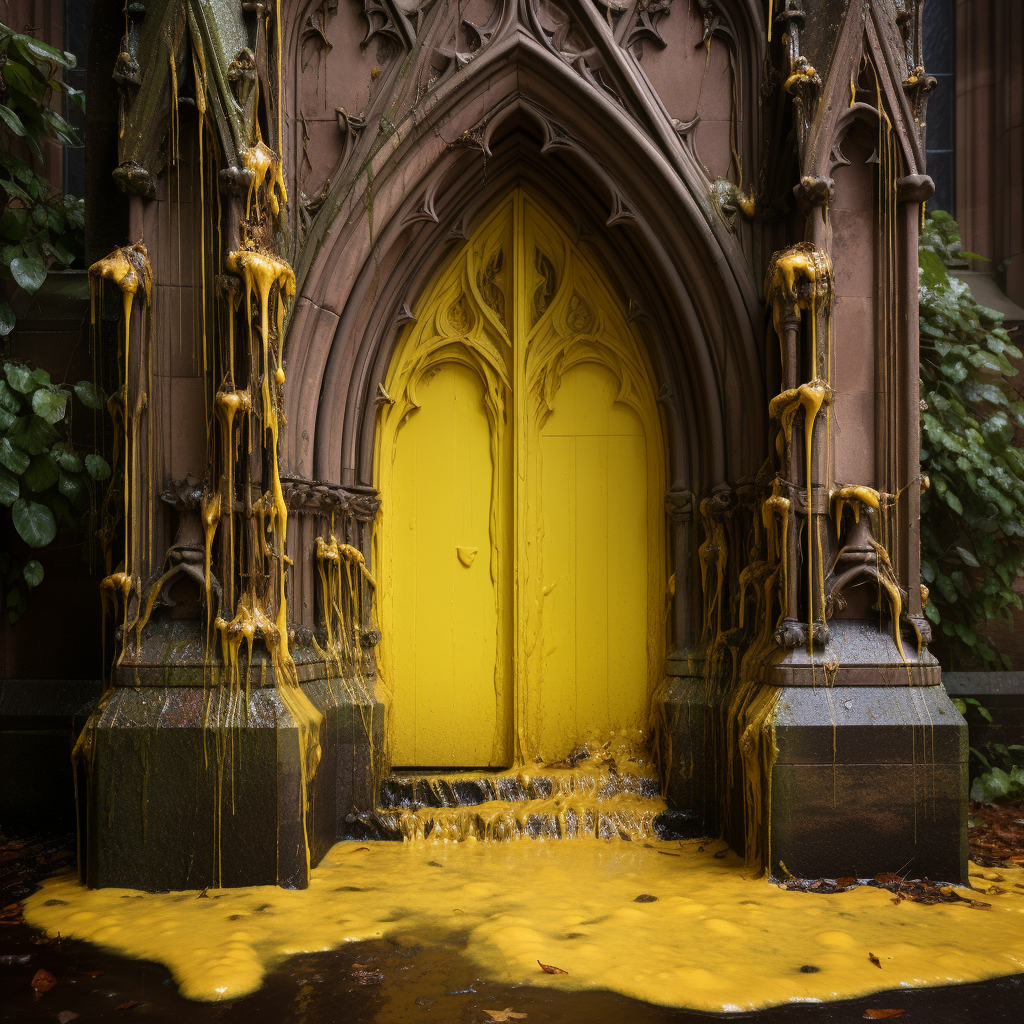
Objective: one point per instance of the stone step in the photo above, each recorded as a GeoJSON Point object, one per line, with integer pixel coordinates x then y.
{"type": "Point", "coordinates": [537, 819]}
{"type": "Point", "coordinates": [622, 816]}
{"type": "Point", "coordinates": [411, 791]}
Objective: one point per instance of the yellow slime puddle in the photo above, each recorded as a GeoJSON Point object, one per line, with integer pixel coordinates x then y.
{"type": "Point", "coordinates": [713, 940]}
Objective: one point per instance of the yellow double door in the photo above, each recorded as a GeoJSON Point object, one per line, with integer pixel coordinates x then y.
{"type": "Point", "coordinates": [519, 549]}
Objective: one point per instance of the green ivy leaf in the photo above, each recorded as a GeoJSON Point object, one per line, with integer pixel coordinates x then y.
{"type": "Point", "coordinates": [34, 522]}
{"type": "Point", "coordinates": [7, 319]}
{"type": "Point", "coordinates": [9, 488]}
{"type": "Point", "coordinates": [8, 399]}
{"type": "Point", "coordinates": [12, 121]}
{"type": "Point", "coordinates": [97, 467]}
{"type": "Point", "coordinates": [12, 457]}
{"type": "Point", "coordinates": [33, 573]}
{"type": "Point", "coordinates": [33, 434]}
{"type": "Point", "coordinates": [19, 377]}
{"type": "Point", "coordinates": [933, 270]}
{"type": "Point", "coordinates": [50, 405]}
{"type": "Point", "coordinates": [967, 558]}
{"type": "Point", "coordinates": [89, 395]}
{"type": "Point", "coordinates": [69, 461]}
{"type": "Point", "coordinates": [29, 272]}
{"type": "Point", "coordinates": [41, 473]}
{"type": "Point", "coordinates": [72, 487]}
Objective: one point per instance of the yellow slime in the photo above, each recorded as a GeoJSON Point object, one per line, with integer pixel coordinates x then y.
{"type": "Point", "coordinates": [713, 940]}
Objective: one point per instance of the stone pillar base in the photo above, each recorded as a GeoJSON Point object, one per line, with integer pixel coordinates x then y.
{"type": "Point", "coordinates": [869, 779]}
{"type": "Point", "coordinates": [871, 770]}
{"type": "Point", "coordinates": [187, 787]}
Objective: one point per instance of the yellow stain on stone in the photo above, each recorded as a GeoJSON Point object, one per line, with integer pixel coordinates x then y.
{"type": "Point", "coordinates": [713, 940]}
{"type": "Point", "coordinates": [856, 496]}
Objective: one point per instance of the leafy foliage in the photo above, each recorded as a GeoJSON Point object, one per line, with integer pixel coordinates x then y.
{"type": "Point", "coordinates": [40, 226]}
{"type": "Point", "coordinates": [43, 479]}
{"type": "Point", "coordinates": [1004, 778]}
{"type": "Point", "coordinates": [964, 705]}
{"type": "Point", "coordinates": [972, 516]}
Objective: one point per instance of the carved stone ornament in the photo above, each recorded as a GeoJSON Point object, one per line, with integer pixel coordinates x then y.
{"type": "Point", "coordinates": [919, 86]}
{"type": "Point", "coordinates": [394, 20]}
{"type": "Point", "coordinates": [636, 23]}
{"type": "Point", "coordinates": [804, 85]}
{"type": "Point", "coordinates": [811, 192]}
{"type": "Point", "coordinates": [311, 497]}
{"type": "Point", "coordinates": [184, 495]}
{"type": "Point", "coordinates": [351, 127]}
{"type": "Point", "coordinates": [134, 179]}
{"type": "Point", "coordinates": [793, 633]}
{"type": "Point", "coordinates": [915, 188]}
{"type": "Point", "coordinates": [720, 502]}
{"type": "Point", "coordinates": [679, 506]}
{"type": "Point", "coordinates": [370, 638]}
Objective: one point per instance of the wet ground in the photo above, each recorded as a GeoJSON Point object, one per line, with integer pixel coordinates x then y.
{"type": "Point", "coordinates": [386, 982]}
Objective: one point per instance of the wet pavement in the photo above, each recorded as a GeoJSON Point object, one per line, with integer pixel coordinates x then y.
{"type": "Point", "coordinates": [394, 981]}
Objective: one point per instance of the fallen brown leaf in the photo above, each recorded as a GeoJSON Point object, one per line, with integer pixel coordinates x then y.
{"type": "Point", "coordinates": [883, 1014]}
{"type": "Point", "coordinates": [874, 959]}
{"type": "Point", "coordinates": [368, 977]}
{"type": "Point", "coordinates": [128, 1005]}
{"type": "Point", "coordinates": [996, 836]}
{"type": "Point", "coordinates": [43, 980]}
{"type": "Point", "coordinates": [504, 1015]}
{"type": "Point", "coordinates": [360, 967]}
{"type": "Point", "coordinates": [65, 1016]}
{"type": "Point", "coordinates": [548, 969]}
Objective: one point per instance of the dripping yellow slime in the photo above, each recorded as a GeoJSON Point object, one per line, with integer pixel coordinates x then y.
{"type": "Point", "coordinates": [715, 939]}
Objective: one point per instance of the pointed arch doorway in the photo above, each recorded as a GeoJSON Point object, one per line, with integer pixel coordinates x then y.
{"type": "Point", "coordinates": [520, 547]}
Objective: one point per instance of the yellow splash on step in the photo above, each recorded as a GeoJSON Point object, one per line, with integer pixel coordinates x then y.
{"type": "Point", "coordinates": [715, 939]}
{"type": "Point", "coordinates": [622, 815]}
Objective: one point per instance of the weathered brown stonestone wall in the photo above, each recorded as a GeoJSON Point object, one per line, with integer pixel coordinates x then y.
{"type": "Point", "coordinates": [990, 137]}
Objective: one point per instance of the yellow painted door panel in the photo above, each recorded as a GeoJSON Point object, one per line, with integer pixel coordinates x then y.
{"type": "Point", "coordinates": [519, 551]}
{"type": "Point", "coordinates": [445, 604]}
{"type": "Point", "coordinates": [593, 554]}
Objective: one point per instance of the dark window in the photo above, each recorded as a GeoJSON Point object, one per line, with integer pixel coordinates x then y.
{"type": "Point", "coordinates": [77, 21]}
{"type": "Point", "coordinates": [940, 61]}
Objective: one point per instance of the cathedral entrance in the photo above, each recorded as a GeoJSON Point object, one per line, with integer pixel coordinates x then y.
{"type": "Point", "coordinates": [520, 547]}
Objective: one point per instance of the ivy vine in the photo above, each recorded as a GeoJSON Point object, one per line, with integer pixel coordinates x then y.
{"type": "Point", "coordinates": [972, 516]}
{"type": "Point", "coordinates": [40, 226]}
{"type": "Point", "coordinates": [45, 480]}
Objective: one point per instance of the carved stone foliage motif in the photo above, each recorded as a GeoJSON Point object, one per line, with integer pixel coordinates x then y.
{"type": "Point", "coordinates": [679, 506]}
{"type": "Point", "coordinates": [634, 23]}
{"type": "Point", "coordinates": [395, 20]}
{"type": "Point", "coordinates": [310, 497]}
{"type": "Point", "coordinates": [430, 43]}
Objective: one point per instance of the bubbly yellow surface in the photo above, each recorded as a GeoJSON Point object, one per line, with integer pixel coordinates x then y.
{"type": "Point", "coordinates": [715, 939]}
